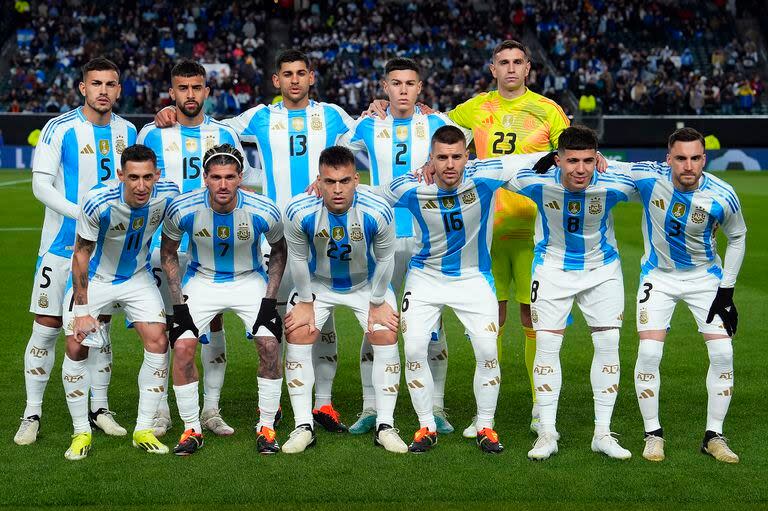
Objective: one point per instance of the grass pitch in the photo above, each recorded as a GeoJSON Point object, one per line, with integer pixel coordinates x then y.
{"type": "Point", "coordinates": [348, 471]}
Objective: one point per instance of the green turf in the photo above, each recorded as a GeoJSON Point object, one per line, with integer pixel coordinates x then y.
{"type": "Point", "coordinates": [347, 471]}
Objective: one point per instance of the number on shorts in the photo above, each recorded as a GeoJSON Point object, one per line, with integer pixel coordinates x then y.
{"type": "Point", "coordinates": [155, 272]}
{"type": "Point", "coordinates": [44, 273]}
{"type": "Point", "coordinates": [534, 290]}
{"type": "Point", "coordinates": [648, 286]}
{"type": "Point", "coordinates": [406, 303]}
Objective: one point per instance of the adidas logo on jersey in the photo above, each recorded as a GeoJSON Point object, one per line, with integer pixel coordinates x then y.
{"type": "Point", "coordinates": [173, 148]}
{"type": "Point", "coordinates": [87, 149]}
{"type": "Point", "coordinates": [430, 204]}
{"type": "Point", "coordinates": [118, 227]}
{"type": "Point", "coordinates": [659, 203]}
{"type": "Point", "coordinates": [278, 126]}
{"type": "Point", "coordinates": [203, 234]}
{"type": "Point", "coordinates": [384, 134]}
{"type": "Point", "coordinates": [322, 234]}
{"type": "Point", "coordinates": [553, 205]}
{"type": "Point", "coordinates": [491, 327]}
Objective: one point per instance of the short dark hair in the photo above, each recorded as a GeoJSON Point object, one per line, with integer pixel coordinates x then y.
{"type": "Point", "coordinates": [337, 156]}
{"type": "Point", "coordinates": [138, 152]}
{"type": "Point", "coordinates": [448, 135]}
{"type": "Point", "coordinates": [188, 68]}
{"type": "Point", "coordinates": [224, 154]}
{"type": "Point", "coordinates": [685, 135]}
{"type": "Point", "coordinates": [401, 64]}
{"type": "Point", "coordinates": [100, 64]}
{"type": "Point", "coordinates": [576, 138]}
{"type": "Point", "coordinates": [511, 44]}
{"type": "Point", "coordinates": [287, 56]}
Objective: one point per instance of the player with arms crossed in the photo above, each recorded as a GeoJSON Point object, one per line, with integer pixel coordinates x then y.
{"type": "Point", "coordinates": [110, 265]}
{"type": "Point", "coordinates": [225, 272]}
{"type": "Point", "coordinates": [341, 250]}
{"type": "Point", "coordinates": [76, 151]}
{"type": "Point", "coordinates": [683, 208]}
{"type": "Point", "coordinates": [395, 145]}
{"type": "Point", "coordinates": [180, 151]}
{"type": "Point", "coordinates": [290, 136]}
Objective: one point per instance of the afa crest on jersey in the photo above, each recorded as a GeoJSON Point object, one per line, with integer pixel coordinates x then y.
{"type": "Point", "coordinates": [698, 216]}
{"type": "Point", "coordinates": [222, 232]}
{"type": "Point", "coordinates": [120, 145]}
{"type": "Point", "coordinates": [595, 206]}
{"type": "Point", "coordinates": [356, 233]}
{"type": "Point", "coordinates": [316, 123]}
{"type": "Point", "coordinates": [449, 202]}
{"type": "Point", "coordinates": [468, 197]}
{"type": "Point", "coordinates": [243, 232]}
{"type": "Point", "coordinates": [157, 215]}
{"type": "Point", "coordinates": [337, 233]}
{"type": "Point", "coordinates": [507, 120]}
{"type": "Point", "coordinates": [43, 301]}
{"type": "Point", "coordinates": [421, 131]}
{"type": "Point", "coordinates": [210, 141]}
{"type": "Point", "coordinates": [678, 210]}
{"type": "Point", "coordinates": [574, 207]}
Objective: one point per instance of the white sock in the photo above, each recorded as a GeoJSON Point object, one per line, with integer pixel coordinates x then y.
{"type": "Point", "coordinates": [648, 382]}
{"type": "Point", "coordinates": [100, 368]}
{"type": "Point", "coordinates": [386, 382]}
{"type": "Point", "coordinates": [487, 380]}
{"type": "Point", "coordinates": [419, 380]}
{"type": "Point", "coordinates": [162, 407]}
{"type": "Point", "coordinates": [76, 380]}
{"type": "Point", "coordinates": [269, 401]}
{"type": "Point", "coordinates": [719, 382]}
{"type": "Point", "coordinates": [437, 354]}
{"type": "Point", "coordinates": [39, 358]}
{"type": "Point", "coordinates": [604, 376]}
{"type": "Point", "coordinates": [547, 377]}
{"type": "Point", "coordinates": [188, 403]}
{"type": "Point", "coordinates": [152, 377]}
{"type": "Point", "coordinates": [214, 360]}
{"type": "Point", "coordinates": [366, 378]}
{"type": "Point", "coordinates": [300, 377]}
{"type": "Point", "coordinates": [325, 359]}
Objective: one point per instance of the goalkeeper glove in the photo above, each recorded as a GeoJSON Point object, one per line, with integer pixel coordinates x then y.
{"type": "Point", "coordinates": [269, 318]}
{"type": "Point", "coordinates": [724, 307]}
{"type": "Point", "coordinates": [182, 321]}
{"type": "Point", "coordinates": [545, 163]}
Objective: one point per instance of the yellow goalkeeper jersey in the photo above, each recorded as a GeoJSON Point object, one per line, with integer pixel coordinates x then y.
{"type": "Point", "coordinates": [527, 124]}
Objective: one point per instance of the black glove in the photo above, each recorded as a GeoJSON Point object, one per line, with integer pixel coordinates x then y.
{"type": "Point", "coordinates": [724, 307]}
{"type": "Point", "coordinates": [182, 321]}
{"type": "Point", "coordinates": [269, 318]}
{"type": "Point", "coordinates": [545, 163]}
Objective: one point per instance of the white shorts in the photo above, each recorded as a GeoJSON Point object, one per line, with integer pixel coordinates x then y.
{"type": "Point", "coordinates": [207, 299]}
{"type": "Point", "coordinates": [137, 296]}
{"type": "Point", "coordinates": [358, 300]}
{"type": "Point", "coordinates": [161, 281]}
{"type": "Point", "coordinates": [50, 286]}
{"type": "Point", "coordinates": [472, 299]}
{"type": "Point", "coordinates": [599, 293]}
{"type": "Point", "coordinates": [404, 250]}
{"type": "Point", "coordinates": [659, 292]}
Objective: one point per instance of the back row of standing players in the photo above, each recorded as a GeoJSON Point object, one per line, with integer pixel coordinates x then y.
{"type": "Point", "coordinates": [290, 135]}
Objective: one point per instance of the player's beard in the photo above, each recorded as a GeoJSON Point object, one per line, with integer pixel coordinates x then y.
{"type": "Point", "coordinates": [102, 109]}
{"type": "Point", "coordinates": [189, 113]}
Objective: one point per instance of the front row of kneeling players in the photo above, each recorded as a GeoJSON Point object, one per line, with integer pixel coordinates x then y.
{"type": "Point", "coordinates": [341, 252]}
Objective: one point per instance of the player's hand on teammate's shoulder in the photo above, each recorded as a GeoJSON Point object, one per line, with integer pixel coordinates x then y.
{"type": "Point", "coordinates": [302, 314]}
{"type": "Point", "coordinates": [166, 117]}
{"type": "Point", "coordinates": [425, 109]}
{"type": "Point", "coordinates": [602, 163]}
{"type": "Point", "coordinates": [426, 173]}
{"type": "Point", "coordinates": [384, 315]}
{"type": "Point", "coordinates": [545, 163]}
{"type": "Point", "coordinates": [313, 189]}
{"type": "Point", "coordinates": [377, 108]}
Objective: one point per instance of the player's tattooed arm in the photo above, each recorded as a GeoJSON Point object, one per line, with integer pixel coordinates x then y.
{"type": "Point", "coordinates": [169, 260]}
{"type": "Point", "coordinates": [277, 262]}
{"type": "Point", "coordinates": [82, 256]}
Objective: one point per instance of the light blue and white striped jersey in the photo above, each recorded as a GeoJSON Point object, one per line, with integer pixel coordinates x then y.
{"type": "Point", "coordinates": [122, 233]}
{"type": "Point", "coordinates": [180, 149]}
{"type": "Point", "coordinates": [223, 247]}
{"type": "Point", "coordinates": [574, 230]}
{"type": "Point", "coordinates": [679, 227]}
{"type": "Point", "coordinates": [453, 227]}
{"type": "Point", "coordinates": [290, 143]}
{"type": "Point", "coordinates": [395, 147]}
{"type": "Point", "coordinates": [79, 155]}
{"type": "Point", "coordinates": [341, 250]}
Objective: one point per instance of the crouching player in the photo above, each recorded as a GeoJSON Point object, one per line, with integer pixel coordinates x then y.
{"type": "Point", "coordinates": [341, 249]}
{"type": "Point", "coordinates": [109, 265]}
{"type": "Point", "coordinates": [224, 225]}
